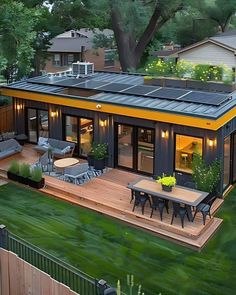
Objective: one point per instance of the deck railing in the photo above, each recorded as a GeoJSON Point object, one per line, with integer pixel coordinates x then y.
{"type": "Point", "coordinates": [77, 280]}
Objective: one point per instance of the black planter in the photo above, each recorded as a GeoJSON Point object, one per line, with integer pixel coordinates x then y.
{"type": "Point", "coordinates": [37, 184]}
{"type": "Point", "coordinates": [166, 188]}
{"type": "Point", "coordinates": [99, 164]}
{"type": "Point", "coordinates": [90, 160]}
{"type": "Point", "coordinates": [12, 176]}
{"type": "Point", "coordinates": [23, 180]}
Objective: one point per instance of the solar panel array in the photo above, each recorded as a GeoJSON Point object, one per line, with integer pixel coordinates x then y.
{"type": "Point", "coordinates": [118, 84]}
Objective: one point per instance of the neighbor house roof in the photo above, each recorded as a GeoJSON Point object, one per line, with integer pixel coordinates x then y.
{"type": "Point", "coordinates": [125, 94]}
{"type": "Point", "coordinates": [226, 40]}
{"type": "Point", "coordinates": [165, 53]}
{"type": "Point", "coordinates": [73, 40]}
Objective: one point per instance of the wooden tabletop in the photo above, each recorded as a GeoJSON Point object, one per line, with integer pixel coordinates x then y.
{"type": "Point", "coordinates": [66, 162]}
{"type": "Point", "coordinates": [179, 194]}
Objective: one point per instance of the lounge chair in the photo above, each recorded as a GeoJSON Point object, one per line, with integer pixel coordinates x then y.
{"type": "Point", "coordinates": [77, 174]}
{"type": "Point", "coordinates": [46, 162]}
{"type": "Point", "coordinates": [9, 147]}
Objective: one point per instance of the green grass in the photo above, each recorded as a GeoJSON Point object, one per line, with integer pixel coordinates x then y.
{"type": "Point", "coordinates": [107, 249]}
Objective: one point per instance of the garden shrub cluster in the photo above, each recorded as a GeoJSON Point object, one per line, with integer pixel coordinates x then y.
{"type": "Point", "coordinates": [189, 70]}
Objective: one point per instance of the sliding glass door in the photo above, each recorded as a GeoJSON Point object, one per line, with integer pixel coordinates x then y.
{"type": "Point", "coordinates": [79, 131]}
{"type": "Point", "coordinates": [135, 148]}
{"type": "Point", "coordinates": [37, 124]}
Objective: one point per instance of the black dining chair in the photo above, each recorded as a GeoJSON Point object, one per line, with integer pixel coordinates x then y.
{"type": "Point", "coordinates": [180, 211]}
{"type": "Point", "coordinates": [160, 204]}
{"type": "Point", "coordinates": [205, 208]}
{"type": "Point", "coordinates": [140, 199]}
{"type": "Point", "coordinates": [132, 196]}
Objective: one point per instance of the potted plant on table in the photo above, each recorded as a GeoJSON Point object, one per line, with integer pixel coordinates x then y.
{"type": "Point", "coordinates": [99, 153]}
{"type": "Point", "coordinates": [36, 180]}
{"type": "Point", "coordinates": [13, 171]}
{"type": "Point", "coordinates": [24, 173]}
{"type": "Point", "coordinates": [167, 182]}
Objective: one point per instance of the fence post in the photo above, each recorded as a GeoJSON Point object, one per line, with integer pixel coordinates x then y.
{"type": "Point", "coordinates": [3, 236]}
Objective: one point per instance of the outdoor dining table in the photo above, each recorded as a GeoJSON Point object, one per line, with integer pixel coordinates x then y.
{"type": "Point", "coordinates": [179, 194]}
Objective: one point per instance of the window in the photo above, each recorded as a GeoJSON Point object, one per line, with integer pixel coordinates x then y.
{"type": "Point", "coordinates": [37, 124]}
{"type": "Point", "coordinates": [185, 146]}
{"type": "Point", "coordinates": [70, 59]}
{"type": "Point", "coordinates": [57, 60]}
{"type": "Point", "coordinates": [71, 129]}
{"type": "Point", "coordinates": [226, 161]}
{"type": "Point", "coordinates": [109, 57]}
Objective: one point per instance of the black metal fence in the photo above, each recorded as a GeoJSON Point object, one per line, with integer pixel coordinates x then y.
{"type": "Point", "coordinates": [62, 272]}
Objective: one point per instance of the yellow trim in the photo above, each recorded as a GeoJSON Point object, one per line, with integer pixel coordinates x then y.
{"type": "Point", "coordinates": [123, 110]}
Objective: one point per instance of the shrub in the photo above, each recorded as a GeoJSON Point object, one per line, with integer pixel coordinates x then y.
{"type": "Point", "coordinates": [14, 167]}
{"type": "Point", "coordinates": [206, 177]}
{"type": "Point", "coordinates": [99, 151]}
{"type": "Point", "coordinates": [202, 72]}
{"type": "Point", "coordinates": [161, 68]}
{"type": "Point", "coordinates": [36, 174]}
{"type": "Point", "coordinates": [184, 69]}
{"type": "Point", "coordinates": [24, 170]}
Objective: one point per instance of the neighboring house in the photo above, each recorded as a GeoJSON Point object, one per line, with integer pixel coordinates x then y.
{"type": "Point", "coordinates": [149, 129]}
{"type": "Point", "coordinates": [217, 50]}
{"type": "Point", "coordinates": [73, 46]}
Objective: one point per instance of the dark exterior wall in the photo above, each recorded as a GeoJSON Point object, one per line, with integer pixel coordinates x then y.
{"type": "Point", "coordinates": [164, 148]}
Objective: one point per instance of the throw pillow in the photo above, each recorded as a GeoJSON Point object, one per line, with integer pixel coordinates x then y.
{"type": "Point", "coordinates": [42, 141]}
{"type": "Point", "coordinates": [66, 150]}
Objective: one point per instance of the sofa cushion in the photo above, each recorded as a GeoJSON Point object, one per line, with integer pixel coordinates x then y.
{"type": "Point", "coordinates": [42, 141]}
{"type": "Point", "coordinates": [53, 142]}
{"type": "Point", "coordinates": [66, 150]}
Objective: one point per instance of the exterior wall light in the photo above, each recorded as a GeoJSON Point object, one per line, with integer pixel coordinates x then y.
{"type": "Point", "coordinates": [19, 106]}
{"type": "Point", "coordinates": [98, 106]}
{"type": "Point", "coordinates": [164, 134]}
{"type": "Point", "coordinates": [103, 123]}
{"type": "Point", "coordinates": [211, 142]}
{"type": "Point", "coordinates": [54, 114]}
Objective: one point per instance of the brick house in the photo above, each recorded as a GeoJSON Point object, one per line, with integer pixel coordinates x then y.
{"type": "Point", "coordinates": [73, 46]}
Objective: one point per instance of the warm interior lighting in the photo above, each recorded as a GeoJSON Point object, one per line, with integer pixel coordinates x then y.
{"type": "Point", "coordinates": [103, 123]}
{"type": "Point", "coordinates": [54, 114]}
{"type": "Point", "coordinates": [19, 106]}
{"type": "Point", "coordinates": [164, 133]}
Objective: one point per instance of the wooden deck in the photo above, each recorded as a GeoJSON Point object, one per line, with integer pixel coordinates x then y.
{"type": "Point", "coordinates": [109, 195]}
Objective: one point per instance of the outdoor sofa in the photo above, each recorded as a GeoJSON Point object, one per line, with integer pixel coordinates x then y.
{"type": "Point", "coordinates": [60, 148]}
{"type": "Point", "coordinates": [9, 147]}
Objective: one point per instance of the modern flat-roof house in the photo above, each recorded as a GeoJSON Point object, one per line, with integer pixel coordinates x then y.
{"type": "Point", "coordinates": [217, 50]}
{"type": "Point", "coordinates": [149, 129]}
{"type": "Point", "coordinates": [74, 45]}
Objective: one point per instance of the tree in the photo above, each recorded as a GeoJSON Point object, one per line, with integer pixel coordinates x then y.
{"type": "Point", "coordinates": [221, 12]}
{"type": "Point", "coordinates": [17, 36]}
{"type": "Point", "coordinates": [151, 16]}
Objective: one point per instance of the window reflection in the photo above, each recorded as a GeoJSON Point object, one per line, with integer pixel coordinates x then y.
{"type": "Point", "coordinates": [226, 161]}
{"type": "Point", "coordinates": [145, 150]}
{"type": "Point", "coordinates": [71, 129]}
{"type": "Point", "coordinates": [185, 147]}
{"type": "Point", "coordinates": [86, 136]}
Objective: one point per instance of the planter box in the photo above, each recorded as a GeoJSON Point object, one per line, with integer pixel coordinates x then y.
{"type": "Point", "coordinates": [154, 81]}
{"type": "Point", "coordinates": [99, 164]}
{"type": "Point", "coordinates": [175, 82]}
{"type": "Point", "coordinates": [37, 184]}
{"type": "Point", "coordinates": [166, 188]}
{"type": "Point", "coordinates": [23, 180]}
{"type": "Point", "coordinates": [12, 176]}
{"type": "Point", "coordinates": [198, 85]}
{"type": "Point", "coordinates": [221, 87]}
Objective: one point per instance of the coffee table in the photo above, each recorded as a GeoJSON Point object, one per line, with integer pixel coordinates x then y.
{"type": "Point", "coordinates": [65, 163]}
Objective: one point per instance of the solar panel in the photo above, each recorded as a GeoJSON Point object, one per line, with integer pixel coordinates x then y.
{"type": "Point", "coordinates": [139, 90]}
{"type": "Point", "coordinates": [114, 87]}
{"type": "Point", "coordinates": [214, 99]}
{"type": "Point", "coordinates": [70, 82]}
{"type": "Point", "coordinates": [45, 80]}
{"type": "Point", "coordinates": [168, 93]}
{"type": "Point", "coordinates": [91, 84]}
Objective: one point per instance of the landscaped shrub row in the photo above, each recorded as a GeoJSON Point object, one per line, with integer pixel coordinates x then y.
{"type": "Point", "coordinates": [185, 69]}
{"type": "Point", "coordinates": [24, 174]}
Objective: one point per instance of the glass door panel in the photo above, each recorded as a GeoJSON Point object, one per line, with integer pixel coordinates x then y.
{"type": "Point", "coordinates": [32, 125]}
{"type": "Point", "coordinates": [86, 136]}
{"type": "Point", "coordinates": [43, 123]}
{"type": "Point", "coordinates": [145, 150]}
{"type": "Point", "coordinates": [71, 129]}
{"type": "Point", "coordinates": [226, 161]}
{"type": "Point", "coordinates": [125, 146]}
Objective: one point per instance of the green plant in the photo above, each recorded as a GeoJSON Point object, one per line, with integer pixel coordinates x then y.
{"type": "Point", "coordinates": [161, 68]}
{"type": "Point", "coordinates": [167, 180]}
{"type": "Point", "coordinates": [99, 151]}
{"type": "Point", "coordinates": [130, 284]}
{"type": "Point", "coordinates": [184, 69]}
{"type": "Point", "coordinates": [36, 174]}
{"type": "Point", "coordinates": [14, 167]}
{"type": "Point", "coordinates": [206, 177]}
{"type": "Point", "coordinates": [24, 170]}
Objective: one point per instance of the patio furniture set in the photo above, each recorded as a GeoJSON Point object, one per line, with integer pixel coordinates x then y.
{"type": "Point", "coordinates": [9, 147]}
{"type": "Point", "coordinates": [186, 202]}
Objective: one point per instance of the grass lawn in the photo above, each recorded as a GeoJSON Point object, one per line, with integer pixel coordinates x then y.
{"type": "Point", "coordinates": [108, 249]}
